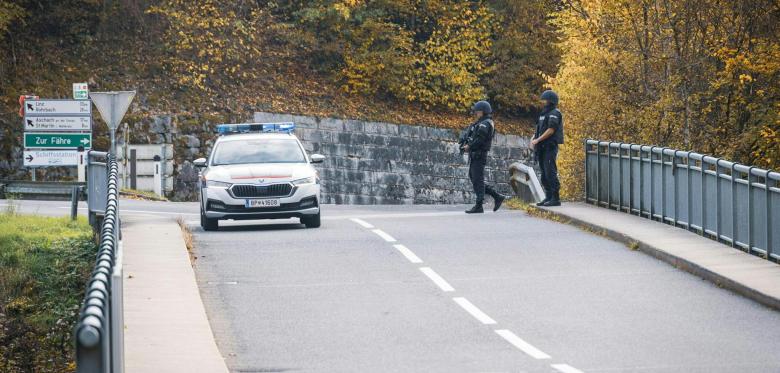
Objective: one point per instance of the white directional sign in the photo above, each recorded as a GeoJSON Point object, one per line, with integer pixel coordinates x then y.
{"type": "Point", "coordinates": [58, 124]}
{"type": "Point", "coordinates": [37, 158]}
{"type": "Point", "coordinates": [57, 107]}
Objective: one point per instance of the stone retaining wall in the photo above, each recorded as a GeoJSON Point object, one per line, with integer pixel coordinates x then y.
{"type": "Point", "coordinates": [383, 163]}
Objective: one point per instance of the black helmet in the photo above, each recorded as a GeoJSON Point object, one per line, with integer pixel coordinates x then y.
{"type": "Point", "coordinates": [550, 96]}
{"type": "Point", "coordinates": [482, 106]}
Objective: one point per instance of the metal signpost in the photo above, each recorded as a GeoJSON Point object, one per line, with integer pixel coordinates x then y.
{"type": "Point", "coordinates": [56, 128]}
{"type": "Point", "coordinates": [112, 107]}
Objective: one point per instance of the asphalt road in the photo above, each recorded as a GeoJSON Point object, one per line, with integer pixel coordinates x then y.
{"type": "Point", "coordinates": [500, 292]}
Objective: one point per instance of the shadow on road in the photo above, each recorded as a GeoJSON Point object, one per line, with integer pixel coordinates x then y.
{"type": "Point", "coordinates": [260, 227]}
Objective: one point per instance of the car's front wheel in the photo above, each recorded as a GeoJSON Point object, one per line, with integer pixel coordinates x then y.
{"type": "Point", "coordinates": [311, 221]}
{"type": "Point", "coordinates": [208, 224]}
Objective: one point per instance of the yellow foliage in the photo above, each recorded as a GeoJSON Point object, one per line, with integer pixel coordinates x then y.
{"type": "Point", "coordinates": [670, 74]}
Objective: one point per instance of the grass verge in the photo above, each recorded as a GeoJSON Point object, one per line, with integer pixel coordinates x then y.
{"type": "Point", "coordinates": [44, 265]}
{"type": "Point", "coordinates": [141, 195]}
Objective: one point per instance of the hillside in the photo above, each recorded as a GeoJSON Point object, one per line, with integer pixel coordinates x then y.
{"type": "Point", "coordinates": [666, 73]}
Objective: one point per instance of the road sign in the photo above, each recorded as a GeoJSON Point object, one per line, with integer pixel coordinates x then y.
{"type": "Point", "coordinates": [80, 91]}
{"type": "Point", "coordinates": [39, 158]}
{"type": "Point", "coordinates": [112, 105]}
{"type": "Point", "coordinates": [57, 107]}
{"type": "Point", "coordinates": [57, 140]}
{"type": "Point", "coordinates": [58, 124]}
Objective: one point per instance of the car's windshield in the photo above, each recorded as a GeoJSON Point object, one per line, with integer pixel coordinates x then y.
{"type": "Point", "coordinates": [258, 151]}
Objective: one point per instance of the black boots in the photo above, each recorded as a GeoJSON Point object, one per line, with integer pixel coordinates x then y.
{"type": "Point", "coordinates": [477, 209]}
{"type": "Point", "coordinates": [544, 201]}
{"type": "Point", "coordinates": [552, 200]}
{"type": "Point", "coordinates": [497, 201]}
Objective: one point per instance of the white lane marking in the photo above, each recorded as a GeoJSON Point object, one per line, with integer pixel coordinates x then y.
{"type": "Point", "coordinates": [384, 235]}
{"type": "Point", "coordinates": [408, 254]}
{"type": "Point", "coordinates": [474, 311]}
{"type": "Point", "coordinates": [565, 368]}
{"type": "Point", "coordinates": [438, 280]}
{"type": "Point", "coordinates": [362, 223]}
{"type": "Point", "coordinates": [522, 345]}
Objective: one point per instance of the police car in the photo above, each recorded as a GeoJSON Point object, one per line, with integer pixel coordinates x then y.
{"type": "Point", "coordinates": [258, 171]}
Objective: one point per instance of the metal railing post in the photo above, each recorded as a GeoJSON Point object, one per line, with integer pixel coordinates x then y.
{"type": "Point", "coordinates": [768, 215]}
{"type": "Point", "coordinates": [652, 183]}
{"type": "Point", "coordinates": [750, 209]}
{"type": "Point", "coordinates": [718, 211]}
{"type": "Point", "coordinates": [587, 173]}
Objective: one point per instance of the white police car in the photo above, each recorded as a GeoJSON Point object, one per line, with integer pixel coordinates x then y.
{"type": "Point", "coordinates": [258, 171]}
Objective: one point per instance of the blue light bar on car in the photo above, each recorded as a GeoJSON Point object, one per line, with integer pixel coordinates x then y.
{"type": "Point", "coordinates": [226, 129]}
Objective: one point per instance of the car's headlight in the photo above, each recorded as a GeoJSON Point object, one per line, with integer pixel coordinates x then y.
{"type": "Point", "coordinates": [217, 184]}
{"type": "Point", "coordinates": [305, 180]}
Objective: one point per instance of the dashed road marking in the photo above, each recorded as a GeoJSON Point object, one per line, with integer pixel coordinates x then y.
{"type": "Point", "coordinates": [474, 311]}
{"type": "Point", "coordinates": [438, 280]}
{"type": "Point", "coordinates": [522, 345]}
{"type": "Point", "coordinates": [565, 368]}
{"type": "Point", "coordinates": [362, 223]}
{"type": "Point", "coordinates": [408, 254]}
{"type": "Point", "coordinates": [384, 235]}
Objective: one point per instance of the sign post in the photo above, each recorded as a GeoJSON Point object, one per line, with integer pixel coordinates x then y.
{"type": "Point", "coordinates": [112, 107]}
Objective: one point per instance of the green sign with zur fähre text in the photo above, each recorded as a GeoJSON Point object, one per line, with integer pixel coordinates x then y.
{"type": "Point", "coordinates": [57, 140]}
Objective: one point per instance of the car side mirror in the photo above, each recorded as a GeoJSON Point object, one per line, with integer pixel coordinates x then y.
{"type": "Point", "coordinates": [317, 158]}
{"type": "Point", "coordinates": [200, 162]}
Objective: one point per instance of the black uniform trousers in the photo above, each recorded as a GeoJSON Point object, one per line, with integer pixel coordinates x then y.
{"type": "Point", "coordinates": [548, 157]}
{"type": "Point", "coordinates": [477, 162]}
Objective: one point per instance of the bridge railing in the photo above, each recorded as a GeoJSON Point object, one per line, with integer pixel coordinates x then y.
{"type": "Point", "coordinates": [99, 332]}
{"type": "Point", "coordinates": [726, 201]}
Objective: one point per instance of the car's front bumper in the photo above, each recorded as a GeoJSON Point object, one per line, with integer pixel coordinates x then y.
{"type": "Point", "coordinates": [219, 204]}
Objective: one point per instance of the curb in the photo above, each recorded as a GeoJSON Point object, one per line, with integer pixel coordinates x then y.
{"type": "Point", "coordinates": [676, 261]}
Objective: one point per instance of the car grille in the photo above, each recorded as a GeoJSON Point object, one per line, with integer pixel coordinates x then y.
{"type": "Point", "coordinates": [260, 191]}
{"type": "Point", "coordinates": [218, 206]}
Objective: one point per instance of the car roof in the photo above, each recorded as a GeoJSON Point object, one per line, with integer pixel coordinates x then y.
{"type": "Point", "coordinates": [256, 136]}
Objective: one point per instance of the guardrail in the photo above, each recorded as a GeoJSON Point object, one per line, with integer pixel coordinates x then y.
{"type": "Point", "coordinates": [726, 201]}
{"type": "Point", "coordinates": [46, 190]}
{"type": "Point", "coordinates": [99, 332]}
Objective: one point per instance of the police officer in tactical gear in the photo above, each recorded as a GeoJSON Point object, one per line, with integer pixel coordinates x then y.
{"type": "Point", "coordinates": [477, 140]}
{"type": "Point", "coordinates": [549, 134]}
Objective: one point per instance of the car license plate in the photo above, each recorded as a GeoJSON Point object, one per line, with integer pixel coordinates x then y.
{"type": "Point", "coordinates": [262, 203]}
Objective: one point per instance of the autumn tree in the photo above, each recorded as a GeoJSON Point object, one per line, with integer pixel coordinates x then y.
{"type": "Point", "coordinates": [699, 75]}
{"type": "Point", "coordinates": [211, 43]}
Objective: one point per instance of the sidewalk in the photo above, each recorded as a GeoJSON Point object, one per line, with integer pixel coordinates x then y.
{"type": "Point", "coordinates": [728, 267]}
{"type": "Point", "coordinates": [166, 328]}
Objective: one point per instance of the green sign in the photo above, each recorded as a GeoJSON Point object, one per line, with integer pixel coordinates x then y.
{"type": "Point", "coordinates": [57, 140]}
{"type": "Point", "coordinates": [80, 91]}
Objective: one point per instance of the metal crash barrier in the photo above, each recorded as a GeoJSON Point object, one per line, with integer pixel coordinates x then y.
{"type": "Point", "coordinates": [726, 201]}
{"type": "Point", "coordinates": [99, 332]}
